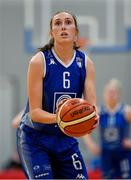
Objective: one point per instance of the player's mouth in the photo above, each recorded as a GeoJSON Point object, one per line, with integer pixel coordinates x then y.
{"type": "Point", "coordinates": [64, 34]}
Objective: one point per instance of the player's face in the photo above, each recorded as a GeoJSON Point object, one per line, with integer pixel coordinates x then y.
{"type": "Point", "coordinates": [111, 95]}
{"type": "Point", "coordinates": [64, 28]}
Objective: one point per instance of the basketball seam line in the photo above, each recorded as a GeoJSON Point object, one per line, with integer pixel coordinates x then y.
{"type": "Point", "coordinates": [81, 122]}
{"type": "Point", "coordinates": [64, 124]}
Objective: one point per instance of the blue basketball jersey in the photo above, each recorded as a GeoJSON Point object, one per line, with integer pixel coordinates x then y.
{"type": "Point", "coordinates": [113, 127]}
{"type": "Point", "coordinates": [60, 81]}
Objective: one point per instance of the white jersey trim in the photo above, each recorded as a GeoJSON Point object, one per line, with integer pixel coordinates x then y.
{"type": "Point", "coordinates": [61, 62]}
{"type": "Point", "coordinates": [44, 64]}
{"type": "Point", "coordinates": [86, 59]}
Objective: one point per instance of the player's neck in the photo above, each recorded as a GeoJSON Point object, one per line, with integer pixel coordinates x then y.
{"type": "Point", "coordinates": [65, 53]}
{"type": "Point", "coordinates": [112, 106]}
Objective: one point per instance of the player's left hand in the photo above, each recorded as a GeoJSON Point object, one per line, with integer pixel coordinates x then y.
{"type": "Point", "coordinates": [97, 117]}
{"type": "Point", "coordinates": [96, 121]}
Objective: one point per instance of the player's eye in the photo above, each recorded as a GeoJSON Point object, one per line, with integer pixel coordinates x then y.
{"type": "Point", "coordinates": [68, 22]}
{"type": "Point", "coordinates": [58, 23]}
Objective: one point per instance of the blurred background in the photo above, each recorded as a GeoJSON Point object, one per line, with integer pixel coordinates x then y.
{"type": "Point", "coordinates": [105, 32]}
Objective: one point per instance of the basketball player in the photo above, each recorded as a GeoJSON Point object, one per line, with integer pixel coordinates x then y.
{"type": "Point", "coordinates": [58, 71]}
{"type": "Point", "coordinates": [114, 132]}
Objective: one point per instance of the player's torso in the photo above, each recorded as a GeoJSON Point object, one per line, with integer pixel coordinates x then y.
{"type": "Point", "coordinates": [60, 81]}
{"type": "Point", "coordinates": [113, 127]}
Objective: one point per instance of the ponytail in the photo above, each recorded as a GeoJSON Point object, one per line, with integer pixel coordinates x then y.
{"type": "Point", "coordinates": [47, 46]}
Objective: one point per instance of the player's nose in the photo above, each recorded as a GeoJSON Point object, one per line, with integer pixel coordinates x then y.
{"type": "Point", "coordinates": [63, 27]}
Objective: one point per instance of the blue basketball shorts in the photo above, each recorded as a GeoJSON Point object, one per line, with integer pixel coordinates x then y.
{"type": "Point", "coordinates": [45, 156]}
{"type": "Point", "coordinates": [116, 164]}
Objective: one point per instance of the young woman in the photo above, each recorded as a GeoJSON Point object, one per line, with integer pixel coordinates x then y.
{"type": "Point", "coordinates": [58, 71]}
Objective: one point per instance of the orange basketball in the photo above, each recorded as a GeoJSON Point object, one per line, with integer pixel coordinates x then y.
{"type": "Point", "coordinates": [76, 117]}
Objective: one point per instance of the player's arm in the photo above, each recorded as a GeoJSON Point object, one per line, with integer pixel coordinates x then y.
{"type": "Point", "coordinates": [34, 87]}
{"type": "Point", "coordinates": [127, 141]}
{"type": "Point", "coordinates": [16, 119]}
{"type": "Point", "coordinates": [91, 145]}
{"type": "Point", "coordinates": [128, 112]}
{"type": "Point", "coordinates": [89, 87]}
{"type": "Point", "coordinates": [90, 96]}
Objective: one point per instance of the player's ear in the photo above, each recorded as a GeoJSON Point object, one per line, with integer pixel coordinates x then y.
{"type": "Point", "coordinates": [51, 34]}
{"type": "Point", "coordinates": [76, 40]}
{"type": "Point", "coordinates": [76, 36]}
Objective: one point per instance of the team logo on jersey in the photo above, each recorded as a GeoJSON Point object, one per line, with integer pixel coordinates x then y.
{"type": "Point", "coordinates": [80, 176]}
{"type": "Point", "coordinates": [65, 96]}
{"type": "Point", "coordinates": [79, 62]}
{"type": "Point", "coordinates": [52, 61]}
{"type": "Point", "coordinates": [59, 96]}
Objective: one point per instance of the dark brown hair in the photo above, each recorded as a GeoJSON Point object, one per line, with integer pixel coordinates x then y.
{"type": "Point", "coordinates": [50, 44]}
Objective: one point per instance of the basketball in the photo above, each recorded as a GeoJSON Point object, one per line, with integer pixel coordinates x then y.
{"type": "Point", "coordinates": [76, 117]}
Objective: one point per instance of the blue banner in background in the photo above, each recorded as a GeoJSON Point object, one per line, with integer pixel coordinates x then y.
{"type": "Point", "coordinates": [30, 48]}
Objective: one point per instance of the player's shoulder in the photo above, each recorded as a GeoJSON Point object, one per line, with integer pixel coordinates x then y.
{"type": "Point", "coordinates": [88, 59]}
{"type": "Point", "coordinates": [84, 56]}
{"type": "Point", "coordinates": [127, 107]}
{"type": "Point", "coordinates": [127, 111]}
{"type": "Point", "coordinates": [36, 59]}
{"type": "Point", "coordinates": [102, 109]}
{"type": "Point", "coordinates": [80, 53]}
